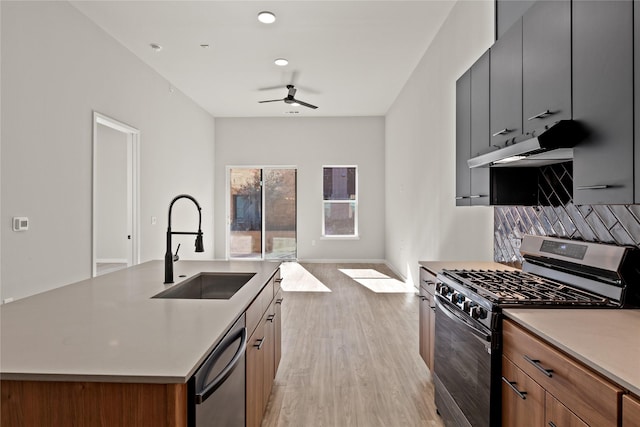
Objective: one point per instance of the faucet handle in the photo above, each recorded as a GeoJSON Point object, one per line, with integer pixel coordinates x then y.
{"type": "Point", "coordinates": [176, 257]}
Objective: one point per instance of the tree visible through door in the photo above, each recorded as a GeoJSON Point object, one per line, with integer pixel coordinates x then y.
{"type": "Point", "coordinates": [262, 213]}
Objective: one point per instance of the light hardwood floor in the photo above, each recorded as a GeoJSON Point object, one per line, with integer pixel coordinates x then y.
{"type": "Point", "coordinates": [350, 356]}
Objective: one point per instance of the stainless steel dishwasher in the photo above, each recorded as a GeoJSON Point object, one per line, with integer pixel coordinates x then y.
{"type": "Point", "coordinates": [217, 389]}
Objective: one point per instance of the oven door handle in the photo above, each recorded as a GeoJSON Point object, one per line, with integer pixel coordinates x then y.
{"type": "Point", "coordinates": [207, 390]}
{"type": "Point", "coordinates": [442, 303]}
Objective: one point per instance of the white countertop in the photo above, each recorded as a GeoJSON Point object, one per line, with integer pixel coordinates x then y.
{"type": "Point", "coordinates": [607, 341]}
{"type": "Point", "coordinates": [109, 329]}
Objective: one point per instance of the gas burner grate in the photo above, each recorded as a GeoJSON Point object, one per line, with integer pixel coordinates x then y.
{"type": "Point", "coordinates": [520, 288]}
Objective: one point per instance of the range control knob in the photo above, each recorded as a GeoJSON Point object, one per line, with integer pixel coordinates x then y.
{"type": "Point", "coordinates": [444, 290]}
{"type": "Point", "coordinates": [478, 313]}
{"type": "Point", "coordinates": [468, 305]}
{"type": "Point", "coordinates": [456, 298]}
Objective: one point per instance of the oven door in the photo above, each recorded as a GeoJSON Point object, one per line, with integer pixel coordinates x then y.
{"type": "Point", "coordinates": [462, 367]}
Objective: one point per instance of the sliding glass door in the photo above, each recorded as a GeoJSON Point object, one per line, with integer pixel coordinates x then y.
{"type": "Point", "coordinates": [262, 213]}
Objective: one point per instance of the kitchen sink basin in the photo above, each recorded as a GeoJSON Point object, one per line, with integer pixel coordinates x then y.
{"type": "Point", "coordinates": [208, 286]}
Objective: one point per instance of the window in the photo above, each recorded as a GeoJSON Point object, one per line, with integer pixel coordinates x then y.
{"type": "Point", "coordinates": [340, 201]}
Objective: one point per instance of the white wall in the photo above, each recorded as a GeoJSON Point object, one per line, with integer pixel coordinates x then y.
{"type": "Point", "coordinates": [308, 144]}
{"type": "Point", "coordinates": [57, 67]}
{"type": "Point", "coordinates": [422, 221]}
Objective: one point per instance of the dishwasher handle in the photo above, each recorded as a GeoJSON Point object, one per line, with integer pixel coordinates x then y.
{"type": "Point", "coordinates": [204, 391]}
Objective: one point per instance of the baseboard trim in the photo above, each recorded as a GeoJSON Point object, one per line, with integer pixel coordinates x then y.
{"type": "Point", "coordinates": [111, 261]}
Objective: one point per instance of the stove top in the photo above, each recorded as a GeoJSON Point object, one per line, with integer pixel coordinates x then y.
{"type": "Point", "coordinates": [520, 288]}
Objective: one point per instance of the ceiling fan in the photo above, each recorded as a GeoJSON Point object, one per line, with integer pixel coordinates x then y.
{"type": "Point", "coordinates": [290, 98]}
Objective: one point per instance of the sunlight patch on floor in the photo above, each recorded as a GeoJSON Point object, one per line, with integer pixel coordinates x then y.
{"type": "Point", "coordinates": [378, 282]}
{"type": "Point", "coordinates": [295, 278]}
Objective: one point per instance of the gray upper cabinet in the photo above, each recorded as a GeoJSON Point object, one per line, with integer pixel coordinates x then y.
{"type": "Point", "coordinates": [472, 133]}
{"type": "Point", "coordinates": [480, 134]}
{"type": "Point", "coordinates": [508, 12]}
{"type": "Point", "coordinates": [603, 164]}
{"type": "Point", "coordinates": [463, 139]}
{"type": "Point", "coordinates": [506, 87]}
{"type": "Point", "coordinates": [546, 64]}
{"type": "Point", "coordinates": [636, 90]}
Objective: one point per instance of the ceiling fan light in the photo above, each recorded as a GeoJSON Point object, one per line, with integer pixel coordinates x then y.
{"type": "Point", "coordinates": [281, 62]}
{"type": "Point", "coordinates": [266, 17]}
{"type": "Point", "coordinates": [295, 104]}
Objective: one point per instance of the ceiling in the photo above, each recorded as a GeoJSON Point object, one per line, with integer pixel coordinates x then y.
{"type": "Point", "coordinates": [350, 58]}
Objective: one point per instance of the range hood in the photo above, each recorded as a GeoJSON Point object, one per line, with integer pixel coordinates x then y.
{"type": "Point", "coordinates": [551, 145]}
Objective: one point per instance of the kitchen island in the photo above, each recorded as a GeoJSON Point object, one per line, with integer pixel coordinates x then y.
{"type": "Point", "coordinates": [107, 336]}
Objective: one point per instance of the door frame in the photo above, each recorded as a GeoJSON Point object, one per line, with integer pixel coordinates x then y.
{"type": "Point", "coordinates": [262, 198]}
{"type": "Point", "coordinates": [133, 178]}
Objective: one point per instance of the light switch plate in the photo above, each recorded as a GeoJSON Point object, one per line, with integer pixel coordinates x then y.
{"type": "Point", "coordinates": [20, 223]}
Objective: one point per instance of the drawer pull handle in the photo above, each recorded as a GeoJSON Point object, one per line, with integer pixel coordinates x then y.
{"type": "Point", "coordinates": [279, 300]}
{"type": "Point", "coordinates": [462, 197]}
{"type": "Point", "coordinates": [541, 115]}
{"type": "Point", "coordinates": [271, 317]}
{"type": "Point", "coordinates": [502, 132]}
{"type": "Point", "coordinates": [552, 424]}
{"type": "Point", "coordinates": [422, 298]}
{"type": "Point", "coordinates": [278, 280]}
{"type": "Point", "coordinates": [512, 384]}
{"type": "Point", "coordinates": [593, 187]}
{"type": "Point", "coordinates": [536, 363]}
{"type": "Point", "coordinates": [259, 343]}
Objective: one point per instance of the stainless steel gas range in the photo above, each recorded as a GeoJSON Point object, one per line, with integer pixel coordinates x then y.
{"type": "Point", "coordinates": [468, 338]}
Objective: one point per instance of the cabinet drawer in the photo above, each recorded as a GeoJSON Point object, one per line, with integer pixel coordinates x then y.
{"type": "Point", "coordinates": [559, 415]}
{"type": "Point", "coordinates": [427, 281]}
{"type": "Point", "coordinates": [591, 397]}
{"type": "Point", "coordinates": [522, 398]}
{"type": "Point", "coordinates": [630, 411]}
{"type": "Point", "coordinates": [259, 306]}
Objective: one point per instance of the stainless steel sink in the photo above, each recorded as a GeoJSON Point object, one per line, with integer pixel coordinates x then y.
{"type": "Point", "coordinates": [208, 286]}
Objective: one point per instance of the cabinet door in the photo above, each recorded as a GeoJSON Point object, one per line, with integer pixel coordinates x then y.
{"type": "Point", "coordinates": [508, 12]}
{"type": "Point", "coordinates": [630, 411]}
{"type": "Point", "coordinates": [424, 328]}
{"type": "Point", "coordinates": [278, 332]}
{"type": "Point", "coordinates": [463, 139]}
{"type": "Point", "coordinates": [255, 377]}
{"type": "Point", "coordinates": [603, 101]}
{"type": "Point", "coordinates": [506, 87]}
{"type": "Point", "coordinates": [432, 332]}
{"type": "Point", "coordinates": [480, 137]}
{"type": "Point", "coordinates": [546, 64]}
{"type": "Point", "coordinates": [559, 415]}
{"type": "Point", "coordinates": [636, 80]}
{"type": "Point", "coordinates": [268, 367]}
{"type": "Point", "coordinates": [522, 398]}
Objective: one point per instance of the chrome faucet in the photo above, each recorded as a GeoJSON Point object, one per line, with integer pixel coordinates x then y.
{"type": "Point", "coordinates": [169, 258]}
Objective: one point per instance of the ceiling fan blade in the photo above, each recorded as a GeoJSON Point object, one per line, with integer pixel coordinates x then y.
{"type": "Point", "coordinates": [271, 100]}
{"type": "Point", "coordinates": [270, 88]}
{"type": "Point", "coordinates": [304, 104]}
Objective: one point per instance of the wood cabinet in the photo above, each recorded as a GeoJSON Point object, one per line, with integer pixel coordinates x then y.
{"type": "Point", "coordinates": [546, 64]}
{"type": "Point", "coordinates": [523, 403]}
{"type": "Point", "coordinates": [427, 314]}
{"type": "Point", "coordinates": [472, 133]}
{"type": "Point", "coordinates": [603, 164]}
{"type": "Point", "coordinates": [575, 389]}
{"type": "Point", "coordinates": [263, 350]}
{"type": "Point", "coordinates": [506, 87]}
{"type": "Point", "coordinates": [58, 403]}
{"type": "Point", "coordinates": [630, 411]}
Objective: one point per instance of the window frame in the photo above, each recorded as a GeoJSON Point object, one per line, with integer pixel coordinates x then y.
{"type": "Point", "coordinates": [354, 202]}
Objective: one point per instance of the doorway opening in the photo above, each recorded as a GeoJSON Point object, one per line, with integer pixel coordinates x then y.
{"type": "Point", "coordinates": [115, 195]}
{"type": "Point", "coordinates": [261, 213]}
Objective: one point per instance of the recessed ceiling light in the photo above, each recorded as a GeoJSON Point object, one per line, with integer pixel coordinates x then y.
{"type": "Point", "coordinates": [266, 17]}
{"type": "Point", "coordinates": [156, 47]}
{"type": "Point", "coordinates": [281, 62]}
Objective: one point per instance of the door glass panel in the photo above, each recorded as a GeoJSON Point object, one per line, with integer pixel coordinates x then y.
{"type": "Point", "coordinates": [245, 234]}
{"type": "Point", "coordinates": [280, 213]}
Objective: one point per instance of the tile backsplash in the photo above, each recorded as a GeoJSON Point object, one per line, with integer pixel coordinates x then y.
{"type": "Point", "coordinates": [619, 224]}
